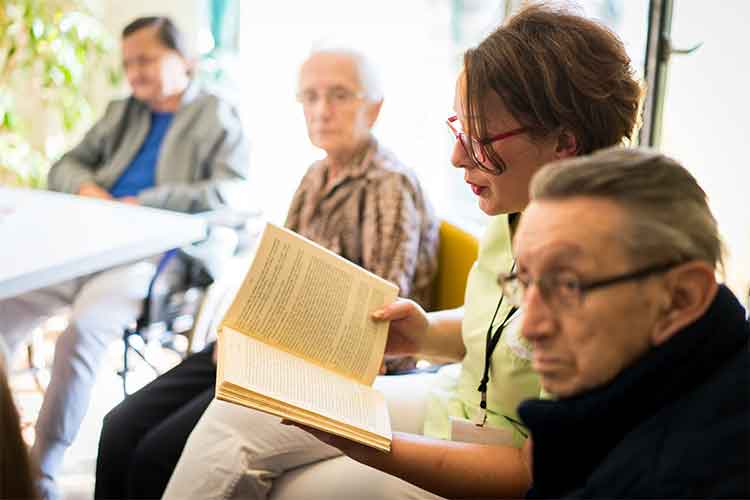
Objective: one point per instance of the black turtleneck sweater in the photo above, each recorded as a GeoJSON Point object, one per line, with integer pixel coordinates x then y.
{"type": "Point", "coordinates": [675, 424]}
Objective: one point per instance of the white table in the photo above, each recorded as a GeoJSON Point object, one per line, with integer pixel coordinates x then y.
{"type": "Point", "coordinates": [47, 238]}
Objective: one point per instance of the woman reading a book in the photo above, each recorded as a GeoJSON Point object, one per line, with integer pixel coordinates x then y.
{"type": "Point", "coordinates": [546, 85]}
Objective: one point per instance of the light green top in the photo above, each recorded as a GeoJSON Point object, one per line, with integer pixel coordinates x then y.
{"type": "Point", "coordinates": [511, 378]}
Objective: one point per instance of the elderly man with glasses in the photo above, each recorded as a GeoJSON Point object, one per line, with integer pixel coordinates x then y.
{"type": "Point", "coordinates": [646, 354]}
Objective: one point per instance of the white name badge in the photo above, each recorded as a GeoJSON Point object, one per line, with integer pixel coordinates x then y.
{"type": "Point", "coordinates": [467, 431]}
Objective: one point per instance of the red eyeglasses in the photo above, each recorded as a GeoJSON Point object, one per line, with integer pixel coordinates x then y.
{"type": "Point", "coordinates": [475, 148]}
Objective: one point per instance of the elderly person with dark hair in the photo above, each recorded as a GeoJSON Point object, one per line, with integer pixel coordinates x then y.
{"type": "Point", "coordinates": [170, 145]}
{"type": "Point", "coordinates": [647, 354]}
{"type": "Point", "coordinates": [360, 202]}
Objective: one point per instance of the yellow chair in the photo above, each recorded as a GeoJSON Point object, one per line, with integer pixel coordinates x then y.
{"type": "Point", "coordinates": [458, 251]}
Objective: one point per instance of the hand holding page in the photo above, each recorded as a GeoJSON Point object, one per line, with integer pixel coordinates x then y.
{"type": "Point", "coordinates": [298, 341]}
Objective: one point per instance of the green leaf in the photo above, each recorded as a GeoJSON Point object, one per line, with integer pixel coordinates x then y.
{"type": "Point", "coordinates": [10, 121]}
{"type": "Point", "coordinates": [58, 48]}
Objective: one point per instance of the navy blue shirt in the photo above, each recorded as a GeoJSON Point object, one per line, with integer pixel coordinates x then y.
{"type": "Point", "coordinates": [141, 173]}
{"type": "Point", "coordinates": [673, 424]}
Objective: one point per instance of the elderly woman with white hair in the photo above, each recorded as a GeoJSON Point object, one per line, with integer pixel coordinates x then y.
{"type": "Point", "coordinates": [360, 202]}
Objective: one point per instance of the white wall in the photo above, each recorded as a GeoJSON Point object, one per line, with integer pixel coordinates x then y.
{"type": "Point", "coordinates": [187, 14]}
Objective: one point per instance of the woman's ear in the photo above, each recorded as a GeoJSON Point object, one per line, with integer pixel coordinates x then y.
{"type": "Point", "coordinates": [690, 289]}
{"type": "Point", "coordinates": [567, 145]}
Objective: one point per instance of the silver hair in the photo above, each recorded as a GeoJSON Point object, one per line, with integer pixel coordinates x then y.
{"type": "Point", "coordinates": [668, 217]}
{"type": "Point", "coordinates": [368, 77]}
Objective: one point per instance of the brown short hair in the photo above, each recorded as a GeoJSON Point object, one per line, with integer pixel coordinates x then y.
{"type": "Point", "coordinates": [668, 217]}
{"type": "Point", "coordinates": [555, 70]}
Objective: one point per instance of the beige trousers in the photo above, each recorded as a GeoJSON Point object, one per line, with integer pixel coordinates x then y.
{"type": "Point", "coordinates": [235, 452]}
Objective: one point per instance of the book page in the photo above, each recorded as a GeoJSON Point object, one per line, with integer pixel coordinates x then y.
{"type": "Point", "coordinates": [306, 300]}
{"type": "Point", "coordinates": [258, 367]}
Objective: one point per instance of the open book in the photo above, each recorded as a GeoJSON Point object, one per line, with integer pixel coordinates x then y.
{"type": "Point", "coordinates": [298, 341]}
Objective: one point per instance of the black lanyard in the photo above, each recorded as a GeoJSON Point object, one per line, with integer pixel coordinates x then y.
{"type": "Point", "coordinates": [490, 345]}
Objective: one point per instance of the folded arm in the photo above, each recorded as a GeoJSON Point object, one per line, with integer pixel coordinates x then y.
{"type": "Point", "coordinates": [75, 171]}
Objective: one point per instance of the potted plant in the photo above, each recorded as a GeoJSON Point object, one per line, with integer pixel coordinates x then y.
{"type": "Point", "coordinates": [52, 55]}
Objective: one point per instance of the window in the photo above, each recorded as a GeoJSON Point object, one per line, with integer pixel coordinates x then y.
{"type": "Point", "coordinates": [704, 121]}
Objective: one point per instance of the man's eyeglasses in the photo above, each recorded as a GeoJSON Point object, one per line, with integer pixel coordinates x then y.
{"type": "Point", "coordinates": [336, 96]}
{"type": "Point", "coordinates": [475, 147]}
{"type": "Point", "coordinates": [565, 289]}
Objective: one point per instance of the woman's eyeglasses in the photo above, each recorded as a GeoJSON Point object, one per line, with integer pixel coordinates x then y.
{"type": "Point", "coordinates": [475, 147]}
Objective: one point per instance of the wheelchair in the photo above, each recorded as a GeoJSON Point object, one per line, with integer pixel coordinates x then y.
{"type": "Point", "coordinates": [177, 291]}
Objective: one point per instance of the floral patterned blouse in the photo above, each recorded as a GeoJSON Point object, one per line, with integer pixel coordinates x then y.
{"type": "Point", "coordinates": [374, 215]}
